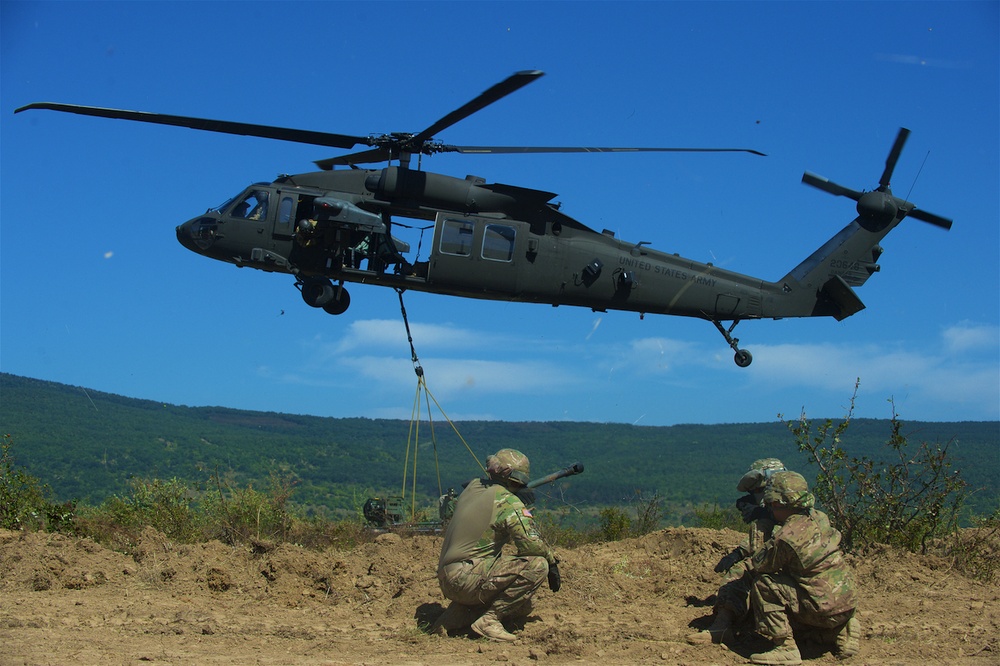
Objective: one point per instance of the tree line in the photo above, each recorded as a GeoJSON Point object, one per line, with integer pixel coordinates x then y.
{"type": "Point", "coordinates": [89, 446]}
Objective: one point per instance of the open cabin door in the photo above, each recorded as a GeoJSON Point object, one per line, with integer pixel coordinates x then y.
{"type": "Point", "coordinates": [477, 253]}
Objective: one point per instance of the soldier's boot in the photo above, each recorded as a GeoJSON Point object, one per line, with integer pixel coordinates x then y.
{"type": "Point", "coordinates": [784, 653]}
{"type": "Point", "coordinates": [721, 630]}
{"type": "Point", "coordinates": [489, 626]}
{"type": "Point", "coordinates": [455, 617]}
{"type": "Point", "coordinates": [848, 640]}
{"type": "Point", "coordinates": [519, 612]}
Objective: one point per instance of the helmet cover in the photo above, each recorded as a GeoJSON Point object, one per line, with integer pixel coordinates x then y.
{"type": "Point", "coordinates": [760, 471]}
{"type": "Point", "coordinates": [789, 489]}
{"type": "Point", "coordinates": [509, 464]}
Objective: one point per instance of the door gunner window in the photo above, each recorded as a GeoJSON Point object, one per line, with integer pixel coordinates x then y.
{"type": "Point", "coordinates": [498, 242]}
{"type": "Point", "coordinates": [286, 209]}
{"type": "Point", "coordinates": [456, 238]}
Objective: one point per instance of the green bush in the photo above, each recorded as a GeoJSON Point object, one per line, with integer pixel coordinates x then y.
{"type": "Point", "coordinates": [167, 506]}
{"type": "Point", "coordinates": [648, 513]}
{"type": "Point", "coordinates": [720, 519]}
{"type": "Point", "coordinates": [24, 499]}
{"type": "Point", "coordinates": [615, 524]}
{"type": "Point", "coordinates": [241, 515]}
{"type": "Point", "coordinates": [904, 501]}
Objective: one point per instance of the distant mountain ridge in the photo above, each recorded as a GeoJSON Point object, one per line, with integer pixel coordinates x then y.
{"type": "Point", "coordinates": [86, 444]}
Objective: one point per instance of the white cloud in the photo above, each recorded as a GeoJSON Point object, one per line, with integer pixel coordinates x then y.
{"type": "Point", "coordinates": [955, 375]}
{"type": "Point", "coordinates": [483, 375]}
{"type": "Point", "coordinates": [652, 356]}
{"type": "Point", "coordinates": [390, 334]}
{"type": "Point", "coordinates": [968, 336]}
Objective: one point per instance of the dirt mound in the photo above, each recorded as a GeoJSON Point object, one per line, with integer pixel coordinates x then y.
{"type": "Point", "coordinates": [67, 600]}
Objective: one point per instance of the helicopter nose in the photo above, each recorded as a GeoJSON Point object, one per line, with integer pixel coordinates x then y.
{"type": "Point", "coordinates": [198, 234]}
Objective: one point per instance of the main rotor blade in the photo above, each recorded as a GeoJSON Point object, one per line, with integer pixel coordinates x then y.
{"type": "Point", "coordinates": [583, 149]}
{"type": "Point", "coordinates": [931, 218]}
{"type": "Point", "coordinates": [890, 161]}
{"type": "Point", "coordinates": [507, 86]}
{"type": "Point", "coordinates": [223, 126]}
{"type": "Point", "coordinates": [826, 185]}
{"type": "Point", "coordinates": [380, 154]}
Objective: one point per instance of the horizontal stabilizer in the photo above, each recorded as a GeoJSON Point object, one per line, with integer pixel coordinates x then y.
{"type": "Point", "coordinates": [838, 300]}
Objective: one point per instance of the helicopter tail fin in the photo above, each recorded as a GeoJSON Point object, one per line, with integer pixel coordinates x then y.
{"type": "Point", "coordinates": [823, 284]}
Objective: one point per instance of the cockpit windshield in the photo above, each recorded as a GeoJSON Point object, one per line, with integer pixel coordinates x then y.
{"type": "Point", "coordinates": [253, 206]}
{"type": "Point", "coordinates": [221, 208]}
{"type": "Point", "coordinates": [255, 199]}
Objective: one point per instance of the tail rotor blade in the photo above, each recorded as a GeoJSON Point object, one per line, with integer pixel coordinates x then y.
{"type": "Point", "coordinates": [890, 162]}
{"type": "Point", "coordinates": [931, 218]}
{"type": "Point", "coordinates": [827, 186]}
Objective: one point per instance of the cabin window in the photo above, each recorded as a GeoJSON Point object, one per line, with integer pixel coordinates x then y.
{"type": "Point", "coordinates": [456, 237]}
{"type": "Point", "coordinates": [498, 242]}
{"type": "Point", "coordinates": [285, 211]}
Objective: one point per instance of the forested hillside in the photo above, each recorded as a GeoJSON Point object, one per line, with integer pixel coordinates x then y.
{"type": "Point", "coordinates": [86, 445]}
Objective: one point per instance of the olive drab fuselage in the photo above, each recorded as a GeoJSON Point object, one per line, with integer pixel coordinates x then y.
{"type": "Point", "coordinates": [487, 241]}
{"type": "Point", "coordinates": [500, 242]}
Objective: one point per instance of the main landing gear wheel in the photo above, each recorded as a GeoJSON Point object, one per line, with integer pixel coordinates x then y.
{"type": "Point", "coordinates": [317, 293]}
{"type": "Point", "coordinates": [339, 303]}
{"type": "Point", "coordinates": [742, 357]}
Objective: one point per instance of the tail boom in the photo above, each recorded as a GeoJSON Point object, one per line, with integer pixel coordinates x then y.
{"type": "Point", "coordinates": [823, 284]}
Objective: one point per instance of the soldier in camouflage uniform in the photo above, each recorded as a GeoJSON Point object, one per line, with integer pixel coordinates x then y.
{"type": "Point", "coordinates": [732, 603]}
{"type": "Point", "coordinates": [480, 579]}
{"type": "Point", "coordinates": [800, 577]}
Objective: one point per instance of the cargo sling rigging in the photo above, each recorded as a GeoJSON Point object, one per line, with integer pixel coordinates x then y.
{"type": "Point", "coordinates": [423, 395]}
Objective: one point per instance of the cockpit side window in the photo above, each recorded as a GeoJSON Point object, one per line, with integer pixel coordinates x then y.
{"type": "Point", "coordinates": [253, 206]}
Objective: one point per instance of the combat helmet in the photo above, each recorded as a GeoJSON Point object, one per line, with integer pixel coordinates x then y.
{"type": "Point", "coordinates": [509, 465]}
{"type": "Point", "coordinates": [758, 474]}
{"type": "Point", "coordinates": [789, 489]}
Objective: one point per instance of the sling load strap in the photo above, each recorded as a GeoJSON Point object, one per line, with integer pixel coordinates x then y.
{"type": "Point", "coordinates": [414, 435]}
{"type": "Point", "coordinates": [409, 338]}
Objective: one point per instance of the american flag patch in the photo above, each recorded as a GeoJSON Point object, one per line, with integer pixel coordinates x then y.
{"type": "Point", "coordinates": [526, 512]}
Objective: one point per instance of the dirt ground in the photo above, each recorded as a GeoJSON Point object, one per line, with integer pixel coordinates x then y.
{"type": "Point", "coordinates": [65, 600]}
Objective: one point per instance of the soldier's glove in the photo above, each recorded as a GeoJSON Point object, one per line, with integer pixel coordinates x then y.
{"type": "Point", "coordinates": [526, 495]}
{"type": "Point", "coordinates": [555, 580]}
{"type": "Point", "coordinates": [750, 508]}
{"type": "Point", "coordinates": [730, 560]}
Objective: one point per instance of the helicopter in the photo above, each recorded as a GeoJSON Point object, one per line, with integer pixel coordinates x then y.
{"type": "Point", "coordinates": [502, 242]}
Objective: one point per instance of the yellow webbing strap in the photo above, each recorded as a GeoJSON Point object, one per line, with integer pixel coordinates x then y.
{"type": "Point", "coordinates": [413, 436]}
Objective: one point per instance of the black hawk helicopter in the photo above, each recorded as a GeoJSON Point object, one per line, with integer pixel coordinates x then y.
{"type": "Point", "coordinates": [502, 242]}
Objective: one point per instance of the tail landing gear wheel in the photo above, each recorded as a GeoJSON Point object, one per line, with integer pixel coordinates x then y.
{"type": "Point", "coordinates": [743, 358]}
{"type": "Point", "coordinates": [317, 293]}
{"type": "Point", "coordinates": [339, 303]}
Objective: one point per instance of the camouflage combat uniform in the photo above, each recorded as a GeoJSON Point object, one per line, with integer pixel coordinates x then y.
{"type": "Point", "coordinates": [802, 577]}
{"type": "Point", "coordinates": [473, 570]}
{"type": "Point", "coordinates": [734, 595]}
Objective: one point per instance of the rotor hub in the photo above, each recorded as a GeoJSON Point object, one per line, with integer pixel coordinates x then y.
{"type": "Point", "coordinates": [878, 207]}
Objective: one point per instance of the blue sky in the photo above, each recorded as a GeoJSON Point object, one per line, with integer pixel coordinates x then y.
{"type": "Point", "coordinates": [95, 291]}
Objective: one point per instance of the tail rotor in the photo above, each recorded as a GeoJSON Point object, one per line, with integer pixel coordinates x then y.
{"type": "Point", "coordinates": [879, 208]}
